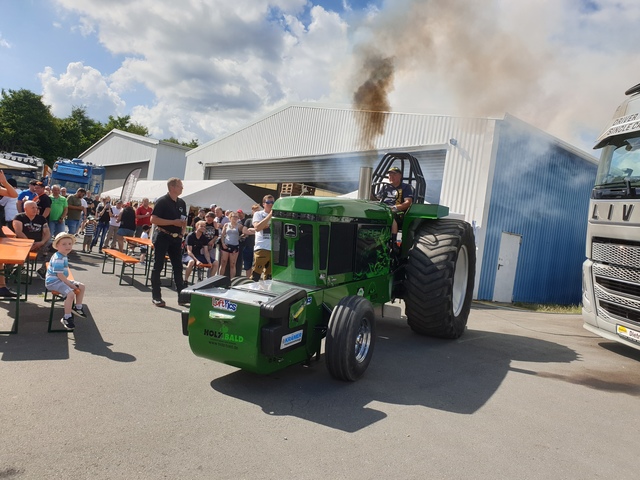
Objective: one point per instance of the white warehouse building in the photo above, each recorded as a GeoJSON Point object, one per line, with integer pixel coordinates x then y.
{"type": "Point", "coordinates": [121, 152]}
{"type": "Point", "coordinates": [522, 189]}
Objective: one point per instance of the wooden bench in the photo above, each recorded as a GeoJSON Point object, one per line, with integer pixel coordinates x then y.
{"type": "Point", "coordinates": [127, 262]}
{"type": "Point", "coordinates": [56, 297]}
{"type": "Point", "coordinates": [199, 269]}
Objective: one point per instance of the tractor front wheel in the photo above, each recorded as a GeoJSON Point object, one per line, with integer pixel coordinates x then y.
{"type": "Point", "coordinates": [439, 278]}
{"type": "Point", "coordinates": [350, 338]}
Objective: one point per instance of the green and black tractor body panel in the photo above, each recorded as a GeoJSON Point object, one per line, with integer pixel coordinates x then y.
{"type": "Point", "coordinates": [323, 249]}
{"type": "Point", "coordinates": [327, 241]}
{"type": "Point", "coordinates": [265, 326]}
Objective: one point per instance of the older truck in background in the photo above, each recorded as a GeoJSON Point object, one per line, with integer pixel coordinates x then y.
{"type": "Point", "coordinates": [74, 174]}
{"type": "Point", "coordinates": [611, 273]}
{"type": "Point", "coordinates": [22, 168]}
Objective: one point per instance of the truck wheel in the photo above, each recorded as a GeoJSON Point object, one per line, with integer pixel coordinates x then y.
{"type": "Point", "coordinates": [439, 278]}
{"type": "Point", "coordinates": [350, 338]}
{"type": "Point", "coordinates": [235, 281]}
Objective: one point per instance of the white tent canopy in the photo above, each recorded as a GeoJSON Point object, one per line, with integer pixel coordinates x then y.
{"type": "Point", "coordinates": [196, 193]}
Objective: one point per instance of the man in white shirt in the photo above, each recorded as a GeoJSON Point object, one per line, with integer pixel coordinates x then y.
{"type": "Point", "coordinates": [114, 224]}
{"type": "Point", "coordinates": [262, 248]}
{"type": "Point", "coordinates": [10, 204]}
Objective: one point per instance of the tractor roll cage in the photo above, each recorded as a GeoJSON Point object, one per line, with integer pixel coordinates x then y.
{"type": "Point", "coordinates": [413, 178]}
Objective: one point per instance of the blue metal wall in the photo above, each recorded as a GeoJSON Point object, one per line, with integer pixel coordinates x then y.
{"type": "Point", "coordinates": [540, 191]}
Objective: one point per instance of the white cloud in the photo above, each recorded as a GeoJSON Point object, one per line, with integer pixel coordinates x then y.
{"type": "Point", "coordinates": [215, 64]}
{"type": "Point", "coordinates": [80, 86]}
{"type": "Point", "coordinates": [86, 27]}
{"type": "Point", "coordinates": [4, 43]}
{"type": "Point", "coordinates": [212, 65]}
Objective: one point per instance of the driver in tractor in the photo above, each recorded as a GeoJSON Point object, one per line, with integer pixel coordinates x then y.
{"type": "Point", "coordinates": [399, 196]}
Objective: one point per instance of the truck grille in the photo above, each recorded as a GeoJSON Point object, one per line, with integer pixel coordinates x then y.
{"type": "Point", "coordinates": [617, 310]}
{"type": "Point", "coordinates": [620, 287]}
{"type": "Point", "coordinates": [616, 280]}
{"type": "Point", "coordinates": [624, 254]}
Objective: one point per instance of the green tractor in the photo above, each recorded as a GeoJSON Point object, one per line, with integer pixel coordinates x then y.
{"type": "Point", "coordinates": [333, 263]}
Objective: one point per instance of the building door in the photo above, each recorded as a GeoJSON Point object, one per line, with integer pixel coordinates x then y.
{"type": "Point", "coordinates": [507, 264]}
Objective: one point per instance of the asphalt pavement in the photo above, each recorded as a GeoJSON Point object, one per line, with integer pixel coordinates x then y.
{"type": "Point", "coordinates": [520, 395]}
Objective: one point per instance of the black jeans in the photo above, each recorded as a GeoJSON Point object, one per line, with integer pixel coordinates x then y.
{"type": "Point", "coordinates": [166, 245]}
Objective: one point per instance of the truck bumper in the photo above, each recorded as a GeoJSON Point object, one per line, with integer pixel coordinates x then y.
{"type": "Point", "coordinates": [613, 329]}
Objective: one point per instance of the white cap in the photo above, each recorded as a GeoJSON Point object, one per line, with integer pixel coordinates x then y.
{"type": "Point", "coordinates": [213, 206]}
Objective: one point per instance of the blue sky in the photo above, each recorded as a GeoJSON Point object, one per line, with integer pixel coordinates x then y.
{"type": "Point", "coordinates": [202, 68]}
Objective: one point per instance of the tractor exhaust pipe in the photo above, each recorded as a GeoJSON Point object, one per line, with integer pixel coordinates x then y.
{"type": "Point", "coordinates": [364, 183]}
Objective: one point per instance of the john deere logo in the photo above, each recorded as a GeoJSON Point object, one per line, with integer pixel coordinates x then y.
{"type": "Point", "coordinates": [290, 230]}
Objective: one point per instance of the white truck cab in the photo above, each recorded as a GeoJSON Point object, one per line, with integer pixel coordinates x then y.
{"type": "Point", "coordinates": [611, 273]}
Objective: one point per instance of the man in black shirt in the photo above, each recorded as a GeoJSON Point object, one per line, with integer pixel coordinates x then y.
{"type": "Point", "coordinates": [32, 225]}
{"type": "Point", "coordinates": [92, 204]}
{"type": "Point", "coordinates": [43, 200]}
{"type": "Point", "coordinates": [170, 218]}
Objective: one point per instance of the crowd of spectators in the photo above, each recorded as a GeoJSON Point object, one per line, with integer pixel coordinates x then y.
{"type": "Point", "coordinates": [215, 241]}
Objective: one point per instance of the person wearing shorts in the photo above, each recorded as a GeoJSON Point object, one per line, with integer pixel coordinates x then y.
{"type": "Point", "coordinates": [197, 251]}
{"type": "Point", "coordinates": [230, 244]}
{"type": "Point", "coordinates": [127, 220]}
{"type": "Point", "coordinates": [262, 249]}
{"type": "Point", "coordinates": [57, 279]}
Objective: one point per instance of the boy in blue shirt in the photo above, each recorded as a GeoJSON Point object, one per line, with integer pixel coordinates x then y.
{"type": "Point", "coordinates": [57, 281]}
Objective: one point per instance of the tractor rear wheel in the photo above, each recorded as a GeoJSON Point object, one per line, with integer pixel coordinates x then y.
{"type": "Point", "coordinates": [439, 278]}
{"type": "Point", "coordinates": [350, 338]}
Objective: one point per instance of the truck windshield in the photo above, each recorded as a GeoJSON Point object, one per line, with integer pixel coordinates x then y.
{"type": "Point", "coordinates": [70, 186]}
{"type": "Point", "coordinates": [620, 164]}
{"type": "Point", "coordinates": [21, 177]}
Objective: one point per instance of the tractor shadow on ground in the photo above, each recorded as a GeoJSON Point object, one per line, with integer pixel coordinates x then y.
{"type": "Point", "coordinates": [457, 376]}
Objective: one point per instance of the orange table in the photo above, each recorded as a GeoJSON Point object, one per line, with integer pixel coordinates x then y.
{"type": "Point", "coordinates": [15, 251]}
{"type": "Point", "coordinates": [8, 232]}
{"type": "Point", "coordinates": [143, 242]}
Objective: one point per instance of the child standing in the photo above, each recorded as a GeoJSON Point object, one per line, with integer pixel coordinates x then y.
{"type": "Point", "coordinates": [144, 249]}
{"type": "Point", "coordinates": [57, 281]}
{"type": "Point", "coordinates": [89, 230]}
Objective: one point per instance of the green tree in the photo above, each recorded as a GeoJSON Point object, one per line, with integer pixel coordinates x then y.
{"type": "Point", "coordinates": [27, 125]}
{"type": "Point", "coordinates": [77, 133]}
{"type": "Point", "coordinates": [192, 144]}
{"type": "Point", "coordinates": [125, 124]}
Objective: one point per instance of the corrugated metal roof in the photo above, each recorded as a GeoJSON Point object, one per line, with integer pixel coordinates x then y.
{"type": "Point", "coordinates": [131, 136]}
{"type": "Point", "coordinates": [311, 130]}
